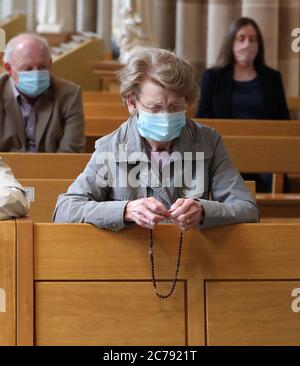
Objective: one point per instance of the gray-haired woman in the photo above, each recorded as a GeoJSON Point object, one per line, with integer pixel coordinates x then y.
{"type": "Point", "coordinates": [158, 166]}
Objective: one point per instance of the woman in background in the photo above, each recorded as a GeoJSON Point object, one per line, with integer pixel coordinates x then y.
{"type": "Point", "coordinates": [242, 86]}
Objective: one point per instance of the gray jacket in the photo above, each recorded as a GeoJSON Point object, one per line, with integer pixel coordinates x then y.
{"type": "Point", "coordinates": [222, 192]}
{"type": "Point", "coordinates": [13, 199]}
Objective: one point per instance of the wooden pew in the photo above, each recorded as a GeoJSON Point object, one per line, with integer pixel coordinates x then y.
{"type": "Point", "coordinates": [46, 166]}
{"type": "Point", "coordinates": [238, 287]}
{"type": "Point", "coordinates": [276, 155]}
{"type": "Point", "coordinates": [96, 126]}
{"type": "Point", "coordinates": [16, 281]}
{"type": "Point", "coordinates": [294, 107]}
{"type": "Point", "coordinates": [76, 64]}
{"type": "Point", "coordinates": [45, 176]}
{"type": "Point", "coordinates": [115, 97]}
{"type": "Point", "coordinates": [7, 283]}
{"type": "Point", "coordinates": [106, 71]}
{"type": "Point", "coordinates": [115, 110]}
{"type": "Point", "coordinates": [265, 154]}
{"type": "Point", "coordinates": [106, 109]}
{"type": "Point", "coordinates": [90, 96]}
{"type": "Point", "coordinates": [293, 103]}
{"type": "Point", "coordinates": [43, 194]}
{"type": "Point", "coordinates": [100, 126]}
{"type": "Point", "coordinates": [13, 25]}
{"type": "Point", "coordinates": [243, 150]}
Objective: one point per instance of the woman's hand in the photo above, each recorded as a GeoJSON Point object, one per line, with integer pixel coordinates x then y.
{"type": "Point", "coordinates": [187, 213]}
{"type": "Point", "coordinates": [146, 212]}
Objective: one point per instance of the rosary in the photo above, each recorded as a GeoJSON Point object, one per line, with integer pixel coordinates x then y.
{"type": "Point", "coordinates": [154, 281]}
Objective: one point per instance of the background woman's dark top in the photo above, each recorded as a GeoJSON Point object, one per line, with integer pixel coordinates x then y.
{"type": "Point", "coordinates": [218, 95]}
{"type": "Point", "coordinates": [260, 98]}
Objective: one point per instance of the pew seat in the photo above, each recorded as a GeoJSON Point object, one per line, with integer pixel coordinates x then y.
{"type": "Point", "coordinates": [100, 97]}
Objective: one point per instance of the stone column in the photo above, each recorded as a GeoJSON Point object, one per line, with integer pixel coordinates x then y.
{"type": "Point", "coordinates": [266, 14]}
{"type": "Point", "coordinates": [6, 8]}
{"type": "Point", "coordinates": [104, 23]}
{"type": "Point", "coordinates": [191, 32]}
{"type": "Point", "coordinates": [31, 15]}
{"type": "Point", "coordinates": [19, 5]}
{"type": "Point", "coordinates": [145, 9]}
{"type": "Point", "coordinates": [86, 16]}
{"type": "Point", "coordinates": [221, 13]}
{"type": "Point", "coordinates": [164, 16]}
{"type": "Point", "coordinates": [56, 16]}
{"type": "Point", "coordinates": [288, 59]}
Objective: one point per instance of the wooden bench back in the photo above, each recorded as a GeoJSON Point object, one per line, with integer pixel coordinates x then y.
{"type": "Point", "coordinates": [100, 126]}
{"type": "Point", "coordinates": [237, 286]}
{"type": "Point", "coordinates": [100, 97]}
{"type": "Point", "coordinates": [46, 166]}
{"type": "Point", "coordinates": [43, 194]}
{"type": "Point", "coordinates": [8, 253]}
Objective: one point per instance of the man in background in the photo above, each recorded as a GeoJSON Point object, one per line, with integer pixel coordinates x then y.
{"type": "Point", "coordinates": [39, 112]}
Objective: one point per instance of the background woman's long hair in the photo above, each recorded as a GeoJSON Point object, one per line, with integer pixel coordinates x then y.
{"type": "Point", "coordinates": [226, 56]}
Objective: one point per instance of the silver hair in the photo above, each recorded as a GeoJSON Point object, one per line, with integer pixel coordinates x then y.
{"type": "Point", "coordinates": [12, 44]}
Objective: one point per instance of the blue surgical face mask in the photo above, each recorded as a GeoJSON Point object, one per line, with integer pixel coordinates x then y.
{"type": "Point", "coordinates": [160, 126]}
{"type": "Point", "coordinates": [33, 83]}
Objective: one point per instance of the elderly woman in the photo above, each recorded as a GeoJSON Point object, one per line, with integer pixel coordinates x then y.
{"type": "Point", "coordinates": [13, 200]}
{"type": "Point", "coordinates": [135, 173]}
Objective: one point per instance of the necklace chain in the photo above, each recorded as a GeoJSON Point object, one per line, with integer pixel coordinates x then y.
{"type": "Point", "coordinates": [154, 281]}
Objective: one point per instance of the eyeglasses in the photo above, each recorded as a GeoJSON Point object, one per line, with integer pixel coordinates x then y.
{"type": "Point", "coordinates": [159, 108]}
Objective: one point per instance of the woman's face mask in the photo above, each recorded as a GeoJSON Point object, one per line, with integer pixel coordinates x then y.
{"type": "Point", "coordinates": [161, 114]}
{"type": "Point", "coordinates": [160, 126]}
{"type": "Point", "coordinates": [245, 47]}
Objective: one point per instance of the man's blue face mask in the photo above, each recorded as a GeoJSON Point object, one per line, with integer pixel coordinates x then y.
{"type": "Point", "coordinates": [33, 83]}
{"type": "Point", "coordinates": [161, 126]}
